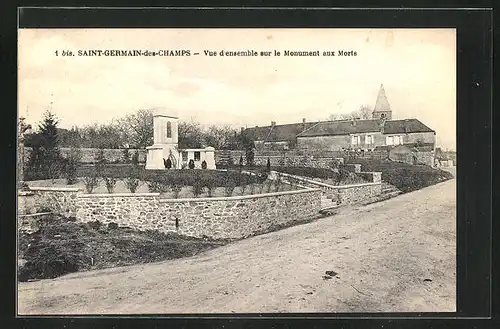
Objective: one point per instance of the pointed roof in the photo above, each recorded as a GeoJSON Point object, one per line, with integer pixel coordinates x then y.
{"type": "Point", "coordinates": [346, 127]}
{"type": "Point", "coordinates": [382, 103]}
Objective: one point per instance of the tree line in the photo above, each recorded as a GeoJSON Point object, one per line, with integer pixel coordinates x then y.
{"type": "Point", "coordinates": [136, 131]}
{"type": "Point", "coordinates": [363, 113]}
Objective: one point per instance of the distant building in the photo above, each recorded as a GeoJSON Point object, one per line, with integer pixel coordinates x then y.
{"type": "Point", "coordinates": [355, 134]}
{"type": "Point", "coordinates": [165, 148]}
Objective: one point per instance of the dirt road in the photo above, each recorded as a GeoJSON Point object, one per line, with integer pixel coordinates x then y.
{"type": "Point", "coordinates": [384, 254]}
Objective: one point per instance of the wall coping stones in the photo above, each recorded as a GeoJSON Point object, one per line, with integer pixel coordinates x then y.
{"type": "Point", "coordinates": [23, 193]}
{"type": "Point", "coordinates": [356, 185]}
{"type": "Point", "coordinates": [241, 197]}
{"type": "Point", "coordinates": [115, 195]}
{"type": "Point", "coordinates": [55, 189]}
{"type": "Point", "coordinates": [327, 185]}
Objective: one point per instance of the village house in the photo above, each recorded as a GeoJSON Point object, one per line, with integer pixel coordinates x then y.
{"type": "Point", "coordinates": [381, 131]}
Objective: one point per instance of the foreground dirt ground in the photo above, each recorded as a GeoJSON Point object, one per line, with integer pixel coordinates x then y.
{"type": "Point", "coordinates": [392, 256]}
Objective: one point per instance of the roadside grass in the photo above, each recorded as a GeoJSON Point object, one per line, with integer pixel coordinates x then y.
{"type": "Point", "coordinates": [406, 177]}
{"type": "Point", "coordinates": [63, 246]}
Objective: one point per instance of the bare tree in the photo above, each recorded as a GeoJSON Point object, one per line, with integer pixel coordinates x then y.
{"type": "Point", "coordinates": [220, 137]}
{"type": "Point", "coordinates": [139, 127]}
{"type": "Point", "coordinates": [364, 112]}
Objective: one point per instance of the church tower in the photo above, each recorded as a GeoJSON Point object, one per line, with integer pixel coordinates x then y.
{"type": "Point", "coordinates": [382, 108]}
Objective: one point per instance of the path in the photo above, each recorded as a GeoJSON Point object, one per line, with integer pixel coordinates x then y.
{"type": "Point", "coordinates": [382, 253]}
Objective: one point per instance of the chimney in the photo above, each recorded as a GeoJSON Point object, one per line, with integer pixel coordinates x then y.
{"type": "Point", "coordinates": [303, 124]}
{"type": "Point", "coordinates": [273, 123]}
{"type": "Point", "coordinates": [242, 129]}
{"type": "Point", "coordinates": [406, 126]}
{"type": "Point", "coordinates": [382, 125]}
{"type": "Point", "coordinates": [353, 121]}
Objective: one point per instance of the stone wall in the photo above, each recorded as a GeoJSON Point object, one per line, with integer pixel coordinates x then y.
{"type": "Point", "coordinates": [137, 210]}
{"type": "Point", "coordinates": [242, 216]}
{"type": "Point", "coordinates": [55, 199]}
{"type": "Point", "coordinates": [278, 159]}
{"type": "Point", "coordinates": [353, 194]}
{"type": "Point", "coordinates": [89, 154]}
{"type": "Point", "coordinates": [343, 194]}
{"type": "Point", "coordinates": [228, 217]}
{"type": "Point", "coordinates": [426, 158]}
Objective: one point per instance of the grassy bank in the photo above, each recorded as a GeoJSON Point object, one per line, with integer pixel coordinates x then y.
{"type": "Point", "coordinates": [406, 177]}
{"type": "Point", "coordinates": [64, 246]}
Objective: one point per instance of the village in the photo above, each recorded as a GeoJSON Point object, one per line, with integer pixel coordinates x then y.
{"type": "Point", "coordinates": [173, 202]}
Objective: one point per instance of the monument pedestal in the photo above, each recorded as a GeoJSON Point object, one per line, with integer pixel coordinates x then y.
{"type": "Point", "coordinates": [157, 154]}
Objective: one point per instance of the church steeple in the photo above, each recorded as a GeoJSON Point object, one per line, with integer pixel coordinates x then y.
{"type": "Point", "coordinates": [382, 109]}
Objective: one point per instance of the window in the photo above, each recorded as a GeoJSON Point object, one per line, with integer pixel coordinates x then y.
{"type": "Point", "coordinates": [369, 139]}
{"type": "Point", "coordinates": [356, 140]}
{"type": "Point", "coordinates": [169, 130]}
{"type": "Point", "coordinates": [184, 156]}
{"type": "Point", "coordinates": [398, 140]}
{"type": "Point", "coordinates": [389, 140]}
{"type": "Point", "coordinates": [197, 156]}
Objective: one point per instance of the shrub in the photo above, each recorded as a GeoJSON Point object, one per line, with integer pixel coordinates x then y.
{"type": "Point", "coordinates": [191, 164]}
{"type": "Point", "coordinates": [278, 183]}
{"type": "Point", "coordinates": [100, 162]}
{"type": "Point", "coordinates": [204, 165]}
{"type": "Point", "coordinates": [243, 184]}
{"type": "Point", "coordinates": [132, 181]}
{"type": "Point", "coordinates": [269, 185]}
{"type": "Point", "coordinates": [110, 183]}
{"type": "Point", "coordinates": [209, 184]}
{"type": "Point", "coordinates": [91, 181]}
{"type": "Point", "coordinates": [268, 165]}
{"type": "Point", "coordinates": [135, 158]}
{"type": "Point", "coordinates": [175, 186]}
{"type": "Point", "coordinates": [250, 156]}
{"type": "Point", "coordinates": [241, 162]}
{"type": "Point", "coordinates": [230, 184]}
{"type": "Point", "coordinates": [252, 187]}
{"type": "Point", "coordinates": [154, 185]}
{"type": "Point", "coordinates": [197, 185]}
{"type": "Point", "coordinates": [261, 188]}
{"type": "Point", "coordinates": [70, 171]}
{"type": "Point", "coordinates": [55, 169]}
{"type": "Point", "coordinates": [176, 190]}
{"type": "Point", "coordinates": [168, 164]}
{"type": "Point", "coordinates": [125, 156]}
{"type": "Point", "coordinates": [74, 158]}
{"type": "Point", "coordinates": [132, 184]}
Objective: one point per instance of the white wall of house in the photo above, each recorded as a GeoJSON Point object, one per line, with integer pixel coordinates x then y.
{"type": "Point", "coordinates": [198, 156]}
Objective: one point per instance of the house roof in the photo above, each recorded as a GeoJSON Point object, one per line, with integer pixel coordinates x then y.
{"type": "Point", "coordinates": [341, 127]}
{"type": "Point", "coordinates": [278, 133]}
{"type": "Point", "coordinates": [346, 127]}
{"type": "Point", "coordinates": [289, 132]}
{"type": "Point", "coordinates": [412, 126]}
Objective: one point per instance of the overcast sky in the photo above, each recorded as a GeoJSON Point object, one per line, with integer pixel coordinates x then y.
{"type": "Point", "coordinates": [416, 66]}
